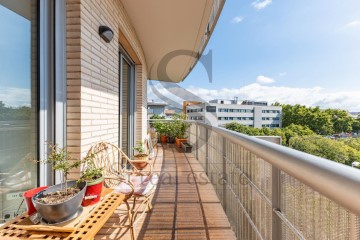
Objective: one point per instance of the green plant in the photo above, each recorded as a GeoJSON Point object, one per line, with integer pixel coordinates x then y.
{"type": "Point", "coordinates": [60, 159]}
{"type": "Point", "coordinates": [179, 127]}
{"type": "Point", "coordinates": [90, 172]}
{"type": "Point", "coordinates": [162, 128]}
{"type": "Point", "coordinates": [155, 117]}
{"type": "Point", "coordinates": [139, 148]}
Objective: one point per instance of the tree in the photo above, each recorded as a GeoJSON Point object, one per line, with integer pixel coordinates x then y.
{"type": "Point", "coordinates": [323, 122]}
{"type": "Point", "coordinates": [341, 120]}
{"type": "Point", "coordinates": [356, 124]}
{"type": "Point", "coordinates": [324, 147]}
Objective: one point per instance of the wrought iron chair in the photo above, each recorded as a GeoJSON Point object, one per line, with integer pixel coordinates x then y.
{"type": "Point", "coordinates": [121, 175]}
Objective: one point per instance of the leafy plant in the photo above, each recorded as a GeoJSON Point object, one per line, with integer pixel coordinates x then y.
{"type": "Point", "coordinates": [162, 128]}
{"type": "Point", "coordinates": [179, 126]}
{"type": "Point", "coordinates": [90, 172]}
{"type": "Point", "coordinates": [139, 148]}
{"type": "Point", "coordinates": [60, 159]}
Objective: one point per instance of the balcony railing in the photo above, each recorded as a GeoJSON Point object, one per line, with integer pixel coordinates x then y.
{"type": "Point", "coordinates": [272, 192]}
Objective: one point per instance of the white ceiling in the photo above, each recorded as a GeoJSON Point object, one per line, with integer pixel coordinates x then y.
{"type": "Point", "coordinates": [172, 28]}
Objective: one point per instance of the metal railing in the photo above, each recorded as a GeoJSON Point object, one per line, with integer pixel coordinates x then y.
{"type": "Point", "coordinates": [273, 192]}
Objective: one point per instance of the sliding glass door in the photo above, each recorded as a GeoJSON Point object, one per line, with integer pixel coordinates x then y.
{"type": "Point", "coordinates": [127, 105]}
{"type": "Point", "coordinates": [18, 103]}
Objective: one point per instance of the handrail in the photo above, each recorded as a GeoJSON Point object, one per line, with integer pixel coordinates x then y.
{"type": "Point", "coordinates": [338, 182]}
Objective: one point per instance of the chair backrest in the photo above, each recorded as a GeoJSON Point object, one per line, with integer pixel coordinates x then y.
{"type": "Point", "coordinates": [149, 146]}
{"type": "Point", "coordinates": [109, 157]}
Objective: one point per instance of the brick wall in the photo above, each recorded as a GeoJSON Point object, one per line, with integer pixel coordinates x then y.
{"type": "Point", "coordinates": [93, 74]}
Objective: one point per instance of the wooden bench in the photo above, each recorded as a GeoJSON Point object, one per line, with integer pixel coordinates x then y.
{"type": "Point", "coordinates": [84, 227]}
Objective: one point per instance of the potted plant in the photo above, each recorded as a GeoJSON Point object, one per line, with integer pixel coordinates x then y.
{"type": "Point", "coordinates": [94, 179]}
{"type": "Point", "coordinates": [140, 156]}
{"type": "Point", "coordinates": [180, 129]}
{"type": "Point", "coordinates": [60, 202]}
{"type": "Point", "coordinates": [163, 129]}
{"type": "Point", "coordinates": [171, 126]}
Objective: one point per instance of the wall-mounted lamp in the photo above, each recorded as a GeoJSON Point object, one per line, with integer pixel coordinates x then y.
{"type": "Point", "coordinates": [106, 33]}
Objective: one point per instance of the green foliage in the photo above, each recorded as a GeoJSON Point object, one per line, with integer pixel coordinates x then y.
{"type": "Point", "coordinates": [323, 122]}
{"type": "Point", "coordinates": [179, 127]}
{"type": "Point", "coordinates": [356, 124]}
{"type": "Point", "coordinates": [302, 138]}
{"type": "Point", "coordinates": [91, 172]}
{"type": "Point", "coordinates": [139, 148]}
{"type": "Point", "coordinates": [155, 117]}
{"type": "Point", "coordinates": [352, 142]}
{"type": "Point", "coordinates": [176, 128]}
{"type": "Point", "coordinates": [161, 127]}
{"type": "Point", "coordinates": [327, 148]}
{"type": "Point", "coordinates": [286, 134]}
{"type": "Point", "coordinates": [60, 160]}
{"type": "Point", "coordinates": [10, 113]}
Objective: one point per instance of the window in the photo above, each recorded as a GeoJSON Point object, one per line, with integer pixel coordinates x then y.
{"type": "Point", "coordinates": [127, 104]}
{"type": "Point", "coordinates": [18, 103]}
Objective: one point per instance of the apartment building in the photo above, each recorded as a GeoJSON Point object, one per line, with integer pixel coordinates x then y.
{"type": "Point", "coordinates": [218, 112]}
{"type": "Point", "coordinates": [156, 108]}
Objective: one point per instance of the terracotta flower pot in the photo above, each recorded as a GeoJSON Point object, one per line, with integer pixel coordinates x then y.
{"type": "Point", "coordinates": [140, 157]}
{"type": "Point", "coordinates": [178, 141]}
{"type": "Point", "coordinates": [163, 139]}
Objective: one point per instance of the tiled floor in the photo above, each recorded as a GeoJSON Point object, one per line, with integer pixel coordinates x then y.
{"type": "Point", "coordinates": [185, 205]}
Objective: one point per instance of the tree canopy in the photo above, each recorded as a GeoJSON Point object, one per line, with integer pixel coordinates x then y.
{"type": "Point", "coordinates": [322, 122]}
{"type": "Point", "coordinates": [302, 138]}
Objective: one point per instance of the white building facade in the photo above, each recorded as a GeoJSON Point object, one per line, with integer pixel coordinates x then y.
{"type": "Point", "coordinates": [249, 113]}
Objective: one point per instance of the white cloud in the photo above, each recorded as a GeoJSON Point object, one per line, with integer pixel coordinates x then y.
{"type": "Point", "coordinates": [15, 97]}
{"type": "Point", "coordinates": [264, 80]}
{"type": "Point", "coordinates": [261, 4]}
{"type": "Point", "coordinates": [353, 24]}
{"type": "Point", "coordinates": [237, 19]}
{"type": "Point", "coordinates": [316, 96]}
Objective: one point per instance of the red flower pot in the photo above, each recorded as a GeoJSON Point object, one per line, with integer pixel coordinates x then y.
{"type": "Point", "coordinates": [93, 192]}
{"type": "Point", "coordinates": [28, 199]}
{"type": "Point", "coordinates": [163, 139]}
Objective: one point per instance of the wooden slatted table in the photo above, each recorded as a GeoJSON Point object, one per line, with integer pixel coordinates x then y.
{"type": "Point", "coordinates": [91, 221]}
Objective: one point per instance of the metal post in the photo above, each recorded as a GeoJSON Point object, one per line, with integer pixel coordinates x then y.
{"type": "Point", "coordinates": [352, 226]}
{"type": "Point", "coordinates": [197, 141]}
{"type": "Point", "coordinates": [224, 183]}
{"type": "Point", "coordinates": [276, 203]}
{"type": "Point", "coordinates": [207, 151]}
{"type": "Point", "coordinates": [352, 215]}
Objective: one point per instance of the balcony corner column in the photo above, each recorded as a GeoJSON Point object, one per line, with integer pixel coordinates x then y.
{"type": "Point", "coordinates": [197, 141]}
{"type": "Point", "coordinates": [276, 203]}
{"type": "Point", "coordinates": [207, 151]}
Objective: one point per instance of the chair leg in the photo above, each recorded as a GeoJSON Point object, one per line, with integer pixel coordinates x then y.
{"type": "Point", "coordinates": [131, 221]}
{"type": "Point", "coordinates": [132, 234]}
{"type": "Point", "coordinates": [149, 207]}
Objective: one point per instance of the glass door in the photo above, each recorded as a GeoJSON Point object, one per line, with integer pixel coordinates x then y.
{"type": "Point", "coordinates": [18, 103]}
{"type": "Point", "coordinates": [127, 105]}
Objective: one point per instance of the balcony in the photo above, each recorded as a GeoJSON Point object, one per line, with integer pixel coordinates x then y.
{"type": "Point", "coordinates": [272, 192]}
{"type": "Point", "coordinates": [238, 187]}
{"type": "Point", "coordinates": [185, 205]}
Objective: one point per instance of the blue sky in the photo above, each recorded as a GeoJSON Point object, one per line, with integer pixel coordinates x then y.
{"type": "Point", "coordinates": [297, 43]}
{"type": "Point", "coordinates": [15, 58]}
{"type": "Point", "coordinates": [296, 51]}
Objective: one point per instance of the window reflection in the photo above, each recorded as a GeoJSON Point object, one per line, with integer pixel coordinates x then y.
{"type": "Point", "coordinates": [18, 103]}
